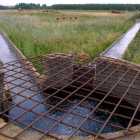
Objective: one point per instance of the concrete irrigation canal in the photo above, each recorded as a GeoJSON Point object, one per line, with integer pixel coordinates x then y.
{"type": "Point", "coordinates": [74, 101]}
{"type": "Point", "coordinates": [6, 55]}
{"type": "Point", "coordinates": [117, 49]}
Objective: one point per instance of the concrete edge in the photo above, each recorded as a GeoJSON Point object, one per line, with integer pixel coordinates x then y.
{"type": "Point", "coordinates": [12, 46]}
{"type": "Point", "coordinates": [118, 40]}
{"type": "Point", "coordinates": [18, 53]}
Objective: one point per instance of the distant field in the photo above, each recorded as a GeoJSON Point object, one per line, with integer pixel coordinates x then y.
{"type": "Point", "coordinates": [37, 33]}
{"type": "Point", "coordinates": [96, 11]}
{"type": "Point", "coordinates": [106, 11]}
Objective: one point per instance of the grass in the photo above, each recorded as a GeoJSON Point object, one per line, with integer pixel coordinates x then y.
{"type": "Point", "coordinates": [42, 34]}
{"type": "Point", "coordinates": [133, 52]}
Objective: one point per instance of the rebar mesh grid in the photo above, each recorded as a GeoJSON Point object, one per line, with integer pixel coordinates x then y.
{"type": "Point", "coordinates": [35, 83]}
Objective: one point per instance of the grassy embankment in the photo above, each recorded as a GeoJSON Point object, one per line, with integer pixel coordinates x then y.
{"type": "Point", "coordinates": [133, 52]}
{"type": "Point", "coordinates": [42, 34]}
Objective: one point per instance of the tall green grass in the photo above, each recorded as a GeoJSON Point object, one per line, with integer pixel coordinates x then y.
{"type": "Point", "coordinates": [42, 34]}
{"type": "Point", "coordinates": [133, 52]}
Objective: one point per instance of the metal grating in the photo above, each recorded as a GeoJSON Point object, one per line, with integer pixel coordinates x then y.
{"type": "Point", "coordinates": [36, 84]}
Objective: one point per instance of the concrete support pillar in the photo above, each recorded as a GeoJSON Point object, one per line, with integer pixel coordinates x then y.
{"type": "Point", "coordinates": [3, 91]}
{"type": "Point", "coordinates": [57, 67]}
{"type": "Point", "coordinates": [1, 87]}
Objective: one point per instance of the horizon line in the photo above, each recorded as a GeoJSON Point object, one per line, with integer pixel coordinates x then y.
{"type": "Point", "coordinates": [71, 3]}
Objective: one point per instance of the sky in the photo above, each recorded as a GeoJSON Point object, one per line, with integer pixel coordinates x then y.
{"type": "Point", "coordinates": [51, 2]}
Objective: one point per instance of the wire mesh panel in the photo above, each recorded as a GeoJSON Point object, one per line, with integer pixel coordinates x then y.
{"type": "Point", "coordinates": [69, 96]}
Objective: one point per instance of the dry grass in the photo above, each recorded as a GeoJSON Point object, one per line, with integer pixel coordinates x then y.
{"type": "Point", "coordinates": [98, 14]}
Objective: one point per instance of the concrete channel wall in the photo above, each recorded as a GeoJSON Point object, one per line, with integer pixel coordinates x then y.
{"type": "Point", "coordinates": [3, 90]}
{"type": "Point", "coordinates": [122, 86]}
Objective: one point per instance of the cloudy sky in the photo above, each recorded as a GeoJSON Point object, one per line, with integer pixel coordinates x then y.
{"type": "Point", "coordinates": [51, 2]}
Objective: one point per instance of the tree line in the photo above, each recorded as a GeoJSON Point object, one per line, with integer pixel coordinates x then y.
{"type": "Point", "coordinates": [3, 7]}
{"type": "Point", "coordinates": [25, 6]}
{"type": "Point", "coordinates": [30, 6]}
{"type": "Point", "coordinates": [129, 7]}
